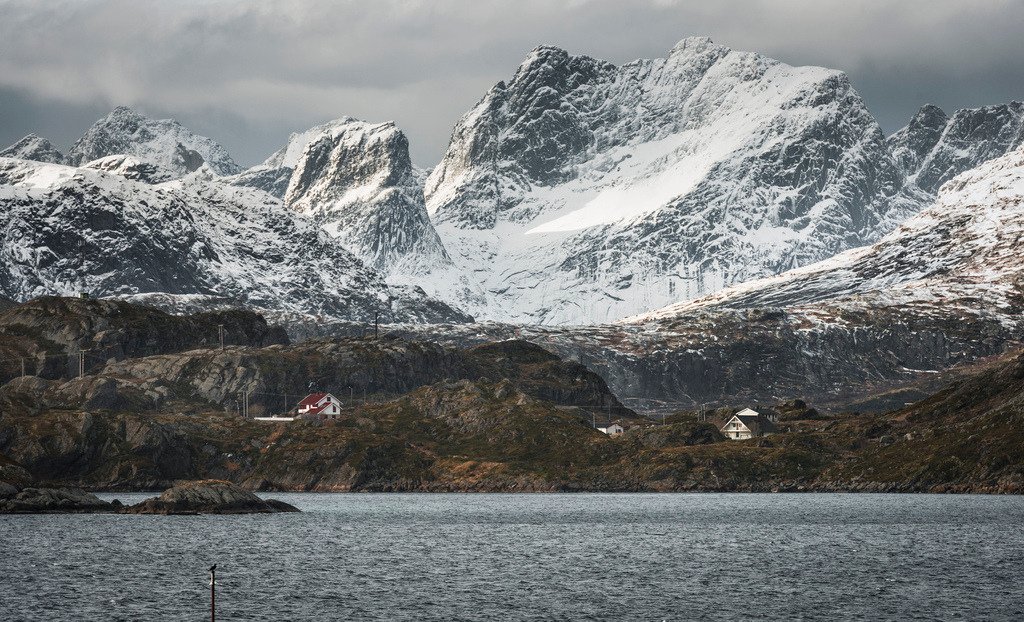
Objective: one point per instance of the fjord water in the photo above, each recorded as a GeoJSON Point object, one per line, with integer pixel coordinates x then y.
{"type": "Point", "coordinates": [530, 557]}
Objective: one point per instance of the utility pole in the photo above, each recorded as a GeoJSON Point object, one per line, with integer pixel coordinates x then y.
{"type": "Point", "coordinates": [213, 593]}
{"type": "Point", "coordinates": [376, 317]}
{"type": "Point", "coordinates": [220, 334]}
{"type": "Point", "coordinates": [23, 366]}
{"type": "Point", "coordinates": [81, 363]}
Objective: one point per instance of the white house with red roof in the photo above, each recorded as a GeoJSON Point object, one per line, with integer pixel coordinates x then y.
{"type": "Point", "coordinates": [319, 406]}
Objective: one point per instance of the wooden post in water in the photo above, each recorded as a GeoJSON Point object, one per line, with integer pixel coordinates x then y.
{"type": "Point", "coordinates": [213, 593]}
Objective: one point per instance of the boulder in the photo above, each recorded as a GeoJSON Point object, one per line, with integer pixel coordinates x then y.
{"type": "Point", "coordinates": [208, 497]}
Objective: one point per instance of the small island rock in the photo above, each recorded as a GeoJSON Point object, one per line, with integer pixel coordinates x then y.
{"type": "Point", "coordinates": [208, 497]}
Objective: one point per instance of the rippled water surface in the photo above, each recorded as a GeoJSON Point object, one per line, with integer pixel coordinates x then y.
{"type": "Point", "coordinates": [530, 557]}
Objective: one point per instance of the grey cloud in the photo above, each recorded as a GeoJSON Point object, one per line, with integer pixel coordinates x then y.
{"type": "Point", "coordinates": [247, 73]}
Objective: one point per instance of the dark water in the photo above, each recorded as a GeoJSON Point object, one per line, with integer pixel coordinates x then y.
{"type": "Point", "coordinates": [531, 557]}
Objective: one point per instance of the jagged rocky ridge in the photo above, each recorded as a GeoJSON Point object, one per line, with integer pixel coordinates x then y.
{"type": "Point", "coordinates": [209, 244]}
{"type": "Point", "coordinates": [933, 148]}
{"type": "Point", "coordinates": [581, 191]}
{"type": "Point", "coordinates": [357, 181]}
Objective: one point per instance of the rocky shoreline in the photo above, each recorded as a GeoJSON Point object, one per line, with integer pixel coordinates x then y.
{"type": "Point", "coordinates": [188, 498]}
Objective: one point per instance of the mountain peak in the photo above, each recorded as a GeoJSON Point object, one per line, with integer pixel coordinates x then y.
{"type": "Point", "coordinates": [693, 44]}
{"type": "Point", "coordinates": [929, 115]}
{"type": "Point", "coordinates": [603, 179]}
{"type": "Point", "coordinates": [164, 143]}
{"type": "Point", "coordinates": [33, 147]}
{"type": "Point", "coordinates": [124, 111]}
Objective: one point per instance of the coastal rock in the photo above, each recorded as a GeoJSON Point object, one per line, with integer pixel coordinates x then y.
{"type": "Point", "coordinates": [51, 501]}
{"type": "Point", "coordinates": [208, 497]}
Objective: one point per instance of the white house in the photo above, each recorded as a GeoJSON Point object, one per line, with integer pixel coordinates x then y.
{"type": "Point", "coordinates": [748, 423]}
{"type": "Point", "coordinates": [611, 429]}
{"type": "Point", "coordinates": [320, 406]}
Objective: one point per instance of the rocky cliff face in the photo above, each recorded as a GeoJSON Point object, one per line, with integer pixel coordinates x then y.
{"type": "Point", "coordinates": [111, 330]}
{"type": "Point", "coordinates": [351, 369]}
{"type": "Point", "coordinates": [164, 143]}
{"type": "Point", "coordinates": [356, 180]}
{"type": "Point", "coordinates": [935, 148]}
{"type": "Point", "coordinates": [492, 436]}
{"type": "Point", "coordinates": [580, 191]}
{"type": "Point", "coordinates": [35, 148]}
{"type": "Point", "coordinates": [959, 252]}
{"type": "Point", "coordinates": [77, 229]}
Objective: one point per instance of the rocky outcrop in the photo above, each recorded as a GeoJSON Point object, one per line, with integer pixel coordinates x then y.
{"type": "Point", "coordinates": [348, 368]}
{"type": "Point", "coordinates": [114, 330]}
{"type": "Point", "coordinates": [131, 168]}
{"type": "Point", "coordinates": [19, 495]}
{"type": "Point", "coordinates": [208, 497]}
{"type": "Point", "coordinates": [53, 501]}
{"type": "Point", "coordinates": [356, 179]}
{"type": "Point", "coordinates": [912, 144]}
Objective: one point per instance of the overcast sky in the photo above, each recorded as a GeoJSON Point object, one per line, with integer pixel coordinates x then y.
{"type": "Point", "coordinates": [248, 73]}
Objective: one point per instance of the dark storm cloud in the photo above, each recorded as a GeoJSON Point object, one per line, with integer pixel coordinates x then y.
{"type": "Point", "coordinates": [247, 73]}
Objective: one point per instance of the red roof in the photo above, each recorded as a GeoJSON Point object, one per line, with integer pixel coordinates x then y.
{"type": "Point", "coordinates": [312, 399]}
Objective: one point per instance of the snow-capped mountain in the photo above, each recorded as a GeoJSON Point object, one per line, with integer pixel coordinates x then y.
{"type": "Point", "coordinates": [942, 290]}
{"type": "Point", "coordinates": [356, 179]}
{"type": "Point", "coordinates": [164, 143]}
{"type": "Point", "coordinates": [961, 255]}
{"type": "Point", "coordinates": [35, 148]}
{"type": "Point", "coordinates": [274, 174]}
{"type": "Point", "coordinates": [190, 241]}
{"type": "Point", "coordinates": [934, 148]}
{"type": "Point", "coordinates": [584, 192]}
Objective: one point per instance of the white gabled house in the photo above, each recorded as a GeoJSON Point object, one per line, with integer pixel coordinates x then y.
{"type": "Point", "coordinates": [748, 423]}
{"type": "Point", "coordinates": [611, 429]}
{"type": "Point", "coordinates": [319, 406]}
